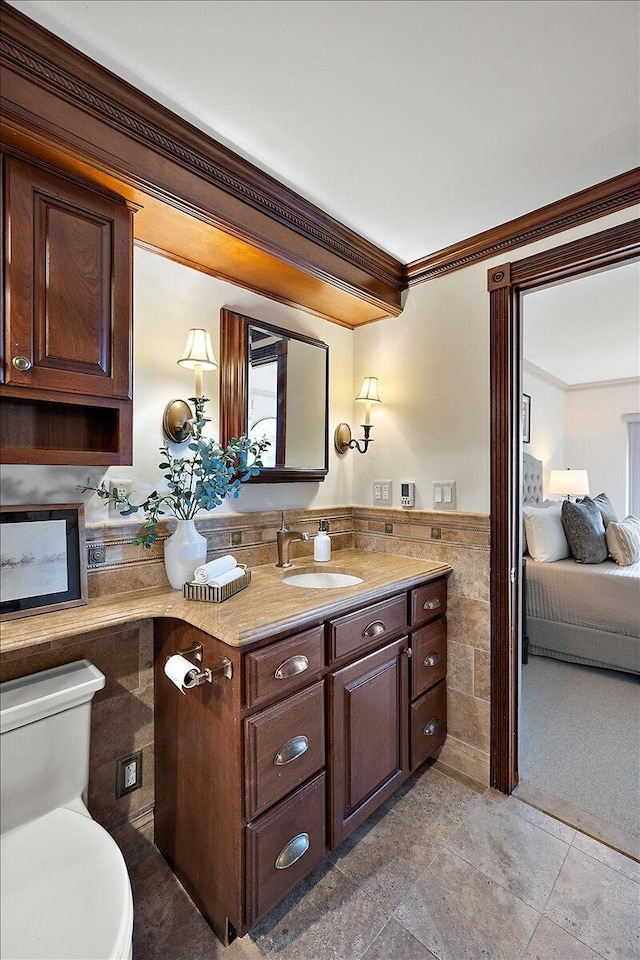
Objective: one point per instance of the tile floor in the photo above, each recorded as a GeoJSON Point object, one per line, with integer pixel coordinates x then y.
{"type": "Point", "coordinates": [445, 869]}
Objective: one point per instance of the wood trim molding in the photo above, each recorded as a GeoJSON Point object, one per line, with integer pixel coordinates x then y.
{"type": "Point", "coordinates": [604, 198]}
{"type": "Point", "coordinates": [37, 56]}
{"type": "Point", "coordinates": [604, 249]}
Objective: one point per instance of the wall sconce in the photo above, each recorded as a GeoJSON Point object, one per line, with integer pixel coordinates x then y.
{"type": "Point", "coordinates": [342, 437]}
{"type": "Point", "coordinates": [569, 483]}
{"type": "Point", "coordinates": [177, 421]}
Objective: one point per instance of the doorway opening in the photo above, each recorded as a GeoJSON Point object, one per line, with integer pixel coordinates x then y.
{"type": "Point", "coordinates": [507, 285]}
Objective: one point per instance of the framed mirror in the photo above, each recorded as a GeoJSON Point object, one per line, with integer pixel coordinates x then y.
{"type": "Point", "coordinates": [275, 383]}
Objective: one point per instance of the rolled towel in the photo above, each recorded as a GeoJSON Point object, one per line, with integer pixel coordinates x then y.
{"type": "Point", "coordinates": [228, 577]}
{"type": "Point", "coordinates": [208, 571]}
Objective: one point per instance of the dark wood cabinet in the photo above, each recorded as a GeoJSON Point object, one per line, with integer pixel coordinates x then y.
{"type": "Point", "coordinates": [67, 375]}
{"type": "Point", "coordinates": [369, 753]}
{"type": "Point", "coordinates": [257, 777]}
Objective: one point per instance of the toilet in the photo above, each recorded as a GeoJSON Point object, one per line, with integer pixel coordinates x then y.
{"type": "Point", "coordinates": [66, 893]}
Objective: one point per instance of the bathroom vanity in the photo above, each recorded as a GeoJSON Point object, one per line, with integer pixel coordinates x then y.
{"type": "Point", "coordinates": [330, 706]}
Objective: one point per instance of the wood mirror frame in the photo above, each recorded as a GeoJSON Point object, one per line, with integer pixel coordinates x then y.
{"type": "Point", "coordinates": [234, 379]}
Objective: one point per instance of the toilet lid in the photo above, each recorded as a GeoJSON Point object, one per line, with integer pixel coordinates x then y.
{"type": "Point", "coordinates": [65, 891]}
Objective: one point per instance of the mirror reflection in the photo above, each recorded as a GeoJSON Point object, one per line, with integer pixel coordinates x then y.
{"type": "Point", "coordinates": [275, 384]}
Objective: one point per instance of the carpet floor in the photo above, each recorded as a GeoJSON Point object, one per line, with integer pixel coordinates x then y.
{"type": "Point", "coordinates": [580, 737]}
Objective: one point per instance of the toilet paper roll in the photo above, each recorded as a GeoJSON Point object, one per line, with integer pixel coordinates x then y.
{"type": "Point", "coordinates": [209, 571]}
{"type": "Point", "coordinates": [227, 577]}
{"type": "Point", "coordinates": [177, 668]}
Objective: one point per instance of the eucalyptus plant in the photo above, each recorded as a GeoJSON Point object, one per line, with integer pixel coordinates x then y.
{"type": "Point", "coordinates": [196, 482]}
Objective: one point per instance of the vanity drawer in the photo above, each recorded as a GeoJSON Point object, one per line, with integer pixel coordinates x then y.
{"type": "Point", "coordinates": [361, 629]}
{"type": "Point", "coordinates": [428, 724]}
{"type": "Point", "coordinates": [428, 656]}
{"type": "Point", "coordinates": [284, 746]}
{"type": "Point", "coordinates": [284, 666]}
{"type": "Point", "coordinates": [428, 602]}
{"type": "Point", "coordinates": [283, 846]}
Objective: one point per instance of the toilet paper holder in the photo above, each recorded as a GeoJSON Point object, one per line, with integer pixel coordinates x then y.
{"type": "Point", "coordinates": [207, 674]}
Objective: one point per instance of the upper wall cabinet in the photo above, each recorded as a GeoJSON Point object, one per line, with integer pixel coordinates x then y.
{"type": "Point", "coordinates": [67, 326]}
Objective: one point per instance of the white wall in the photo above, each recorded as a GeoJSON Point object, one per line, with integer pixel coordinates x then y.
{"type": "Point", "coordinates": [547, 424]}
{"type": "Point", "coordinates": [169, 299]}
{"type": "Point", "coordinates": [597, 437]}
{"type": "Point", "coordinates": [433, 368]}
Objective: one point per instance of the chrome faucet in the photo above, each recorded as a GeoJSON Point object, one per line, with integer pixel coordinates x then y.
{"type": "Point", "coordinates": [284, 537]}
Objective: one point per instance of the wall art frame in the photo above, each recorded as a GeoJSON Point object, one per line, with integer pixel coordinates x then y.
{"type": "Point", "coordinates": [526, 418]}
{"type": "Point", "coordinates": [43, 563]}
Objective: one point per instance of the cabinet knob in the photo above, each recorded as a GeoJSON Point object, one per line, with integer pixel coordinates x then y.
{"type": "Point", "coordinates": [431, 660]}
{"type": "Point", "coordinates": [432, 727]}
{"type": "Point", "coordinates": [374, 628]}
{"type": "Point", "coordinates": [21, 363]}
{"type": "Point", "coordinates": [292, 851]}
{"type": "Point", "coordinates": [292, 749]}
{"type": "Point", "coordinates": [432, 603]}
{"type": "Point", "coordinates": [291, 667]}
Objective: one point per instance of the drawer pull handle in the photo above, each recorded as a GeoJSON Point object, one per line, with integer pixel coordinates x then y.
{"type": "Point", "coordinates": [292, 851]}
{"type": "Point", "coordinates": [432, 727]}
{"type": "Point", "coordinates": [432, 603]}
{"type": "Point", "coordinates": [374, 628]}
{"type": "Point", "coordinates": [292, 749]}
{"type": "Point", "coordinates": [431, 660]}
{"type": "Point", "coordinates": [291, 667]}
{"type": "Point", "coordinates": [21, 363]}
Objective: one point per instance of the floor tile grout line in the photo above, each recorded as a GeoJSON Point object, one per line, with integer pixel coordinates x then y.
{"type": "Point", "coordinates": [355, 885]}
{"type": "Point", "coordinates": [539, 825]}
{"type": "Point", "coordinates": [603, 863]}
{"type": "Point", "coordinates": [582, 943]}
{"type": "Point", "coordinates": [502, 886]}
{"type": "Point", "coordinates": [564, 859]}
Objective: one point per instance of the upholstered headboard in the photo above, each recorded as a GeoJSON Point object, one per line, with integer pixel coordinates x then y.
{"type": "Point", "coordinates": [531, 478]}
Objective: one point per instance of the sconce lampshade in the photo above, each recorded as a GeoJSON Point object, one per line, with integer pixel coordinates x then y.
{"type": "Point", "coordinates": [569, 483]}
{"type": "Point", "coordinates": [369, 390]}
{"type": "Point", "coordinates": [198, 351]}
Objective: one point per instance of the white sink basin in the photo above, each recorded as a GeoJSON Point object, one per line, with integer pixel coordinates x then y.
{"type": "Point", "coordinates": [321, 581]}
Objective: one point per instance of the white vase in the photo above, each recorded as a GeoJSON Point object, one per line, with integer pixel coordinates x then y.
{"type": "Point", "coordinates": [184, 550]}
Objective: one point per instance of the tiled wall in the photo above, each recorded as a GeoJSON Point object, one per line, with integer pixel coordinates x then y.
{"type": "Point", "coordinates": [462, 540]}
{"type": "Point", "coordinates": [122, 715]}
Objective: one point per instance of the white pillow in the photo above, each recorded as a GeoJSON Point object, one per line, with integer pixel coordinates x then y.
{"type": "Point", "coordinates": [623, 541]}
{"type": "Point", "coordinates": [546, 539]}
{"type": "Point", "coordinates": [527, 507]}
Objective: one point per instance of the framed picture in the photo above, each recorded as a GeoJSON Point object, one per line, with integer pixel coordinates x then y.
{"type": "Point", "coordinates": [525, 418]}
{"type": "Point", "coordinates": [43, 564]}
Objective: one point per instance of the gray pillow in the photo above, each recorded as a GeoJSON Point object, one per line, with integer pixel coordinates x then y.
{"type": "Point", "coordinates": [584, 530]}
{"type": "Point", "coordinates": [606, 508]}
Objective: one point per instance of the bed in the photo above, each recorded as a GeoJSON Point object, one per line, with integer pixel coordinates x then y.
{"type": "Point", "coordinates": [583, 613]}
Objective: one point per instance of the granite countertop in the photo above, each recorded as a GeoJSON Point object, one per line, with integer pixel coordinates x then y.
{"type": "Point", "coordinates": [265, 608]}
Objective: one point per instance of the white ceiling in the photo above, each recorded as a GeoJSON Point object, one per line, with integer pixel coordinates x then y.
{"type": "Point", "coordinates": [588, 329]}
{"type": "Point", "coordinates": [416, 123]}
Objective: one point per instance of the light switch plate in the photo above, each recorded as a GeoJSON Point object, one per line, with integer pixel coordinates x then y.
{"type": "Point", "coordinates": [444, 495]}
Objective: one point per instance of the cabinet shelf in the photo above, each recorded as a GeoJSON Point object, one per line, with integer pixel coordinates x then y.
{"type": "Point", "coordinates": [45, 432]}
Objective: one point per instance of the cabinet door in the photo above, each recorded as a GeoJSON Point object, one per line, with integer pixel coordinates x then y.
{"type": "Point", "coordinates": [369, 755]}
{"type": "Point", "coordinates": [68, 277]}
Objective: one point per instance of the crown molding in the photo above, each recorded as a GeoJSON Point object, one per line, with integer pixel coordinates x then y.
{"type": "Point", "coordinates": [601, 384]}
{"type": "Point", "coordinates": [541, 374]}
{"type": "Point", "coordinates": [29, 51]}
{"type": "Point", "coordinates": [604, 198]}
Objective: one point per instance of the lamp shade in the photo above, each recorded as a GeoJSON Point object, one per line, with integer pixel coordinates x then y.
{"type": "Point", "coordinates": [198, 351]}
{"type": "Point", "coordinates": [369, 390]}
{"type": "Point", "coordinates": [569, 483]}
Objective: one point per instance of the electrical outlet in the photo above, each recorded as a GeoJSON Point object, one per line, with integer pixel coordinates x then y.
{"type": "Point", "coordinates": [382, 491]}
{"type": "Point", "coordinates": [124, 487]}
{"type": "Point", "coordinates": [128, 774]}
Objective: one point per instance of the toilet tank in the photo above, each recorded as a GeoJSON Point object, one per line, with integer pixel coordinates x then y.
{"type": "Point", "coordinates": [45, 723]}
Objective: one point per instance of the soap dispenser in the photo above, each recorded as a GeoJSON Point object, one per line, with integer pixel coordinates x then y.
{"type": "Point", "coordinates": [322, 542]}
